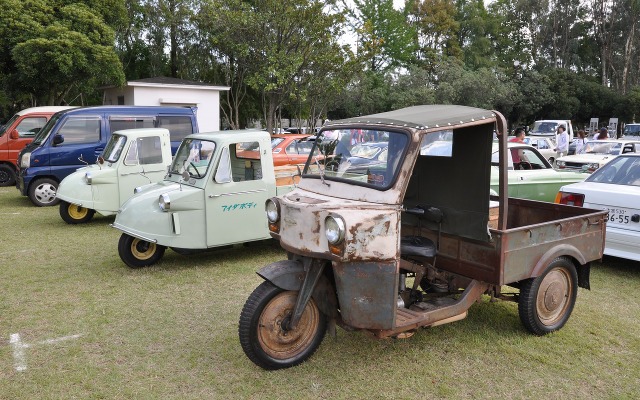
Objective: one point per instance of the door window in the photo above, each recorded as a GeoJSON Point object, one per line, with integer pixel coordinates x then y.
{"type": "Point", "coordinates": [119, 123]}
{"type": "Point", "coordinates": [245, 161]}
{"type": "Point", "coordinates": [29, 126]}
{"type": "Point", "coordinates": [80, 130]}
{"type": "Point", "coordinates": [144, 150]}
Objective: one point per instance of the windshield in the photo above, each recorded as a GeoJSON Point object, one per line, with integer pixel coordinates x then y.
{"type": "Point", "coordinates": [114, 148]}
{"type": "Point", "coordinates": [361, 156]}
{"type": "Point", "coordinates": [276, 141]}
{"type": "Point", "coordinates": [193, 156]}
{"type": "Point", "coordinates": [41, 136]}
{"type": "Point", "coordinates": [623, 170]}
{"type": "Point", "coordinates": [4, 127]}
{"type": "Point", "coordinates": [599, 147]}
{"type": "Point", "coordinates": [544, 128]}
{"type": "Point", "coordinates": [628, 130]}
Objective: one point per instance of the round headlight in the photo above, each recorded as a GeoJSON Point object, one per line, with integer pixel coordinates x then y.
{"type": "Point", "coordinates": [88, 178]}
{"type": "Point", "coordinates": [560, 163]}
{"type": "Point", "coordinates": [164, 202]}
{"type": "Point", "coordinates": [272, 207]}
{"type": "Point", "coordinates": [334, 229]}
{"type": "Point", "coordinates": [137, 190]}
{"type": "Point", "coordinates": [594, 166]}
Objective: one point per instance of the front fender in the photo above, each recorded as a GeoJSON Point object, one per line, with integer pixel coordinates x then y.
{"type": "Point", "coordinates": [289, 275]}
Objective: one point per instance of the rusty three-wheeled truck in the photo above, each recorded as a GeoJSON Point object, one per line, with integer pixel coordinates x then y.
{"type": "Point", "coordinates": [411, 238]}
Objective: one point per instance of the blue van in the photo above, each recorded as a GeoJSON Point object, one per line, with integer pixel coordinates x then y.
{"type": "Point", "coordinates": [75, 137]}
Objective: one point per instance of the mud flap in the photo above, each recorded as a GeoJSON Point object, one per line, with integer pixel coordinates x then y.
{"type": "Point", "coordinates": [583, 276]}
{"type": "Point", "coordinates": [290, 274]}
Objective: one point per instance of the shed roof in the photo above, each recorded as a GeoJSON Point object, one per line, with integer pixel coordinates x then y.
{"type": "Point", "coordinates": [424, 116]}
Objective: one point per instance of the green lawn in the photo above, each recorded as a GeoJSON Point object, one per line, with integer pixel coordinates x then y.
{"type": "Point", "coordinates": [170, 331]}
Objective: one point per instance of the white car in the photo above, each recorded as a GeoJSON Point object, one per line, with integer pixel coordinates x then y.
{"type": "Point", "coordinates": [545, 145]}
{"type": "Point", "coordinates": [597, 153]}
{"type": "Point", "coordinates": [614, 187]}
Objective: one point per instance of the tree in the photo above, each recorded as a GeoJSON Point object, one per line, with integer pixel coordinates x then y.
{"type": "Point", "coordinates": [279, 46]}
{"type": "Point", "coordinates": [51, 50]}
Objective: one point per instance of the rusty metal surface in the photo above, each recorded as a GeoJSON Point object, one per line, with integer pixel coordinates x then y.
{"type": "Point", "coordinates": [367, 293]}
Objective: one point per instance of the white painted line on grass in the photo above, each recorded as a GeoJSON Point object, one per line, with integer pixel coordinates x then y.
{"type": "Point", "coordinates": [19, 356]}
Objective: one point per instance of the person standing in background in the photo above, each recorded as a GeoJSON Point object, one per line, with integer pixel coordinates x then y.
{"type": "Point", "coordinates": [604, 134]}
{"type": "Point", "coordinates": [562, 144]}
{"type": "Point", "coordinates": [580, 141]}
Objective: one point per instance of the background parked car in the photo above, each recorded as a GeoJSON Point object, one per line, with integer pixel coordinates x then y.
{"type": "Point", "coordinates": [544, 145]}
{"type": "Point", "coordinates": [597, 153]}
{"type": "Point", "coordinates": [614, 187]}
{"type": "Point", "coordinates": [291, 149]}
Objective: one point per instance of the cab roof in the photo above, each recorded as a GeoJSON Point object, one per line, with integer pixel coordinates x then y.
{"type": "Point", "coordinates": [424, 117]}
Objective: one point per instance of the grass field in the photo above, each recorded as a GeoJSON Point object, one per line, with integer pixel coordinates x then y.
{"type": "Point", "coordinates": [76, 323]}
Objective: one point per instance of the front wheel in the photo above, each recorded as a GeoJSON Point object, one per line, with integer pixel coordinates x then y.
{"type": "Point", "coordinates": [263, 333]}
{"type": "Point", "coordinates": [546, 302]}
{"type": "Point", "coordinates": [42, 192]}
{"type": "Point", "coordinates": [74, 214]}
{"type": "Point", "coordinates": [7, 175]}
{"type": "Point", "coordinates": [138, 253]}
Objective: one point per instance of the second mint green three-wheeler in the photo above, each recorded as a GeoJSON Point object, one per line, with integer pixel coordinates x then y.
{"type": "Point", "coordinates": [131, 158]}
{"type": "Point", "coordinates": [212, 196]}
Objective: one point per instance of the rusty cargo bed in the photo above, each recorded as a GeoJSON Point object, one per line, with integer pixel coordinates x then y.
{"type": "Point", "coordinates": [537, 232]}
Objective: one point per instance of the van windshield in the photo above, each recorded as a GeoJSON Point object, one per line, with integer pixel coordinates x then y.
{"type": "Point", "coordinates": [193, 156]}
{"type": "Point", "coordinates": [366, 157]}
{"type": "Point", "coordinates": [41, 136]}
{"type": "Point", "coordinates": [544, 128]}
{"type": "Point", "coordinates": [628, 130]}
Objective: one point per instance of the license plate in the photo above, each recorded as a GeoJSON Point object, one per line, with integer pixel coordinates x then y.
{"type": "Point", "coordinates": [618, 216]}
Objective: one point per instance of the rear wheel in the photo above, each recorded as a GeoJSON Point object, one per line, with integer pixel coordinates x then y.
{"type": "Point", "coordinates": [7, 175]}
{"type": "Point", "coordinates": [546, 302]}
{"type": "Point", "coordinates": [138, 253]}
{"type": "Point", "coordinates": [74, 214]}
{"type": "Point", "coordinates": [42, 192]}
{"type": "Point", "coordinates": [263, 331]}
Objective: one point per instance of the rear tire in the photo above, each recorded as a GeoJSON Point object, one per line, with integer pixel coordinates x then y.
{"type": "Point", "coordinates": [74, 214]}
{"type": "Point", "coordinates": [262, 336]}
{"type": "Point", "coordinates": [7, 175]}
{"type": "Point", "coordinates": [42, 192]}
{"type": "Point", "coordinates": [546, 302]}
{"type": "Point", "coordinates": [137, 253]}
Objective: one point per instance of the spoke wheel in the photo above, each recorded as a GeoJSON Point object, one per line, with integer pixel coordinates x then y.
{"type": "Point", "coordinates": [137, 253]}
{"type": "Point", "coordinates": [263, 333]}
{"type": "Point", "coordinates": [546, 302]}
{"type": "Point", "coordinates": [75, 214]}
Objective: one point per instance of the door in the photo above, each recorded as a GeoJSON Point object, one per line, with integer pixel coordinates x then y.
{"type": "Point", "coordinates": [83, 141]}
{"type": "Point", "coordinates": [235, 197]}
{"type": "Point", "coordinates": [27, 128]}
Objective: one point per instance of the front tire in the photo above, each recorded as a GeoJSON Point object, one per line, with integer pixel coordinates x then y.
{"type": "Point", "coordinates": [7, 175]}
{"type": "Point", "coordinates": [74, 214]}
{"type": "Point", "coordinates": [546, 302]}
{"type": "Point", "coordinates": [42, 192]}
{"type": "Point", "coordinates": [262, 335]}
{"type": "Point", "coordinates": [138, 253]}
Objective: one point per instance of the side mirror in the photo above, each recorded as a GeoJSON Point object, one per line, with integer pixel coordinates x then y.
{"type": "Point", "coordinates": [223, 173]}
{"type": "Point", "coordinates": [14, 134]}
{"type": "Point", "coordinates": [58, 139]}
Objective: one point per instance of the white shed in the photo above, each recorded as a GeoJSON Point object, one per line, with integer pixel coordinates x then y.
{"type": "Point", "coordinates": [164, 91]}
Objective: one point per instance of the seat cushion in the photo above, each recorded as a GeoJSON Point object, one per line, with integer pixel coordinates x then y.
{"type": "Point", "coordinates": [417, 246]}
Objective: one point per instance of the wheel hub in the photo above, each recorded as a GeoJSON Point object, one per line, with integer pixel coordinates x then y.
{"type": "Point", "coordinates": [553, 297]}
{"type": "Point", "coordinates": [142, 250]}
{"type": "Point", "coordinates": [77, 212]}
{"type": "Point", "coordinates": [45, 193]}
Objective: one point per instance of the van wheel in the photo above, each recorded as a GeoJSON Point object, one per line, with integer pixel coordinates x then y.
{"type": "Point", "coordinates": [7, 175]}
{"type": "Point", "coordinates": [42, 192]}
{"type": "Point", "coordinates": [263, 335]}
{"type": "Point", "coordinates": [546, 302]}
{"type": "Point", "coordinates": [138, 253]}
{"type": "Point", "coordinates": [74, 214]}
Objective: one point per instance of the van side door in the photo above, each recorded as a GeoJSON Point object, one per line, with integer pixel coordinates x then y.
{"type": "Point", "coordinates": [83, 138]}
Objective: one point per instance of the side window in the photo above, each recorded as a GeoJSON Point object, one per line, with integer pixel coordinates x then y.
{"type": "Point", "coordinates": [542, 145]}
{"type": "Point", "coordinates": [119, 123]}
{"type": "Point", "coordinates": [533, 159]}
{"type": "Point", "coordinates": [292, 148]}
{"type": "Point", "coordinates": [178, 126]}
{"type": "Point", "coordinates": [245, 161]}
{"type": "Point", "coordinates": [29, 126]}
{"type": "Point", "coordinates": [145, 150]}
{"type": "Point", "coordinates": [80, 130]}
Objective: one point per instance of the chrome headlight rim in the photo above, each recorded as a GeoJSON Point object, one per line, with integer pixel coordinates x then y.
{"type": "Point", "coordinates": [334, 229]}
{"type": "Point", "coordinates": [560, 163]}
{"type": "Point", "coordinates": [164, 202]}
{"type": "Point", "coordinates": [88, 178]}
{"type": "Point", "coordinates": [272, 209]}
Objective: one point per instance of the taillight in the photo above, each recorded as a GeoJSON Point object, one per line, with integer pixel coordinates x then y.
{"type": "Point", "coordinates": [570, 199]}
